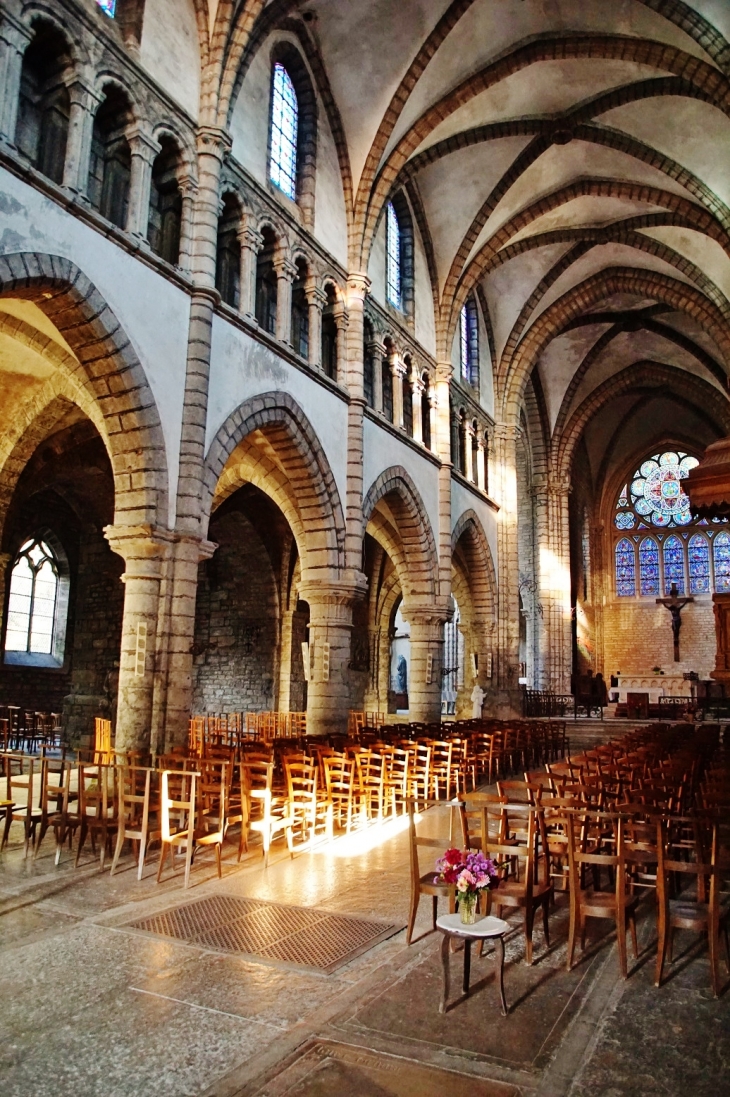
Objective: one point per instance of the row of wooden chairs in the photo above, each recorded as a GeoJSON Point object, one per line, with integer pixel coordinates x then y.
{"type": "Point", "coordinates": [26, 729]}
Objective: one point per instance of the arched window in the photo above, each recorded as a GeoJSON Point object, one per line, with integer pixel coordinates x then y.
{"type": "Point", "coordinates": [673, 564]}
{"type": "Point", "coordinates": [649, 566]}
{"type": "Point", "coordinates": [329, 334]}
{"type": "Point", "coordinates": [721, 553]}
{"type": "Point", "coordinates": [266, 284]}
{"type": "Point", "coordinates": [228, 253]}
{"type": "Point", "coordinates": [165, 219]}
{"type": "Point", "coordinates": [284, 130]}
{"type": "Point", "coordinates": [625, 569]}
{"type": "Point", "coordinates": [41, 130]}
{"type": "Point", "coordinates": [36, 613]}
{"type": "Point", "coordinates": [699, 565]}
{"type": "Point", "coordinates": [300, 311]}
{"type": "Point", "coordinates": [110, 165]}
{"type": "Point", "coordinates": [392, 258]}
{"type": "Point", "coordinates": [469, 343]}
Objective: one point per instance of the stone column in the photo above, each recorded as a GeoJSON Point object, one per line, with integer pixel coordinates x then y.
{"type": "Point", "coordinates": [182, 581]}
{"type": "Point", "coordinates": [481, 460]}
{"type": "Point", "coordinates": [358, 285]}
{"type": "Point", "coordinates": [143, 550]}
{"type": "Point", "coordinates": [397, 372]}
{"type": "Point", "coordinates": [188, 190]}
{"type": "Point", "coordinates": [316, 301]}
{"type": "Point", "coordinates": [553, 550]}
{"type": "Point", "coordinates": [427, 656]}
{"type": "Point", "coordinates": [341, 319]}
{"type": "Point", "coordinates": [504, 698]}
{"type": "Point", "coordinates": [375, 350]}
{"type": "Point", "coordinates": [212, 144]}
{"type": "Point", "coordinates": [330, 629]}
{"type": "Point", "coordinates": [83, 106]}
{"type": "Point", "coordinates": [468, 444]}
{"type": "Point", "coordinates": [14, 40]}
{"type": "Point", "coordinates": [251, 242]}
{"type": "Point", "coordinates": [286, 272]}
{"type": "Point", "coordinates": [433, 413]}
{"type": "Point", "coordinates": [144, 149]}
{"type": "Point", "coordinates": [441, 441]}
{"type": "Point", "coordinates": [417, 387]}
{"type": "Point", "coordinates": [285, 647]}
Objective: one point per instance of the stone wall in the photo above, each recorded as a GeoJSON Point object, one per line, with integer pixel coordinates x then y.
{"type": "Point", "coordinates": [236, 626]}
{"type": "Point", "coordinates": [638, 637]}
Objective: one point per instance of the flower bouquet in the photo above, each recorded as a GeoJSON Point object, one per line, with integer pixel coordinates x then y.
{"type": "Point", "coordinates": [472, 873]}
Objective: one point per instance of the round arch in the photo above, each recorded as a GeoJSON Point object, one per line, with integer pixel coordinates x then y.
{"type": "Point", "coordinates": [409, 536]}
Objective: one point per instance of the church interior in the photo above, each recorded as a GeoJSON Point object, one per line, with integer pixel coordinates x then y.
{"type": "Point", "coordinates": [364, 494]}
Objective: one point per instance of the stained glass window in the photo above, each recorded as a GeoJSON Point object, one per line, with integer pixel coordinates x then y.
{"type": "Point", "coordinates": [649, 566]}
{"type": "Point", "coordinates": [625, 569]}
{"type": "Point", "coordinates": [108, 6]}
{"type": "Point", "coordinates": [284, 125]}
{"type": "Point", "coordinates": [721, 552]}
{"type": "Point", "coordinates": [392, 257]}
{"type": "Point", "coordinates": [464, 343]}
{"type": "Point", "coordinates": [673, 564]}
{"type": "Point", "coordinates": [655, 495]}
{"type": "Point", "coordinates": [32, 600]}
{"type": "Point", "coordinates": [699, 564]}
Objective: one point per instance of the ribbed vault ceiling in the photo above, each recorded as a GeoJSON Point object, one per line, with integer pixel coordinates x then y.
{"type": "Point", "coordinates": [567, 160]}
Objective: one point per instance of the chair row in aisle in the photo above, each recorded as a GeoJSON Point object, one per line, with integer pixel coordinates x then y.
{"type": "Point", "coordinates": [26, 729]}
{"type": "Point", "coordinates": [645, 818]}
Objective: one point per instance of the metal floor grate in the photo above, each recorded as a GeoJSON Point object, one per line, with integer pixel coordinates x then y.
{"type": "Point", "coordinates": [298, 936]}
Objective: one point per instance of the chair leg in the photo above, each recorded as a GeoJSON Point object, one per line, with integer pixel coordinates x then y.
{"type": "Point", "coordinates": [634, 941]}
{"type": "Point", "coordinates": [218, 859]}
{"type": "Point", "coordinates": [435, 909]}
{"type": "Point", "coordinates": [529, 925]}
{"type": "Point", "coordinates": [572, 935]}
{"type": "Point", "coordinates": [546, 920]}
{"type": "Point", "coordinates": [415, 898]}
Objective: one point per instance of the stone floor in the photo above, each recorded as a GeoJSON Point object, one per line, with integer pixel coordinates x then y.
{"type": "Point", "coordinates": [91, 1007]}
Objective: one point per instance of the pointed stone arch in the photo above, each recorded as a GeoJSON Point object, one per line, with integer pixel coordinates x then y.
{"type": "Point", "coordinates": [105, 374]}
{"type": "Point", "coordinates": [281, 454]}
{"type": "Point", "coordinates": [402, 525]}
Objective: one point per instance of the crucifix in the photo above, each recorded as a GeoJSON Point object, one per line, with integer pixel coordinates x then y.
{"type": "Point", "coordinates": [675, 605]}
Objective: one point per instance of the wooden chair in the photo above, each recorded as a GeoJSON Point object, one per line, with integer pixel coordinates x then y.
{"type": "Point", "coordinates": [523, 868]}
{"type": "Point", "coordinates": [701, 912]}
{"type": "Point", "coordinates": [97, 807]}
{"type": "Point", "coordinates": [102, 741]}
{"type": "Point", "coordinates": [212, 809]}
{"type": "Point", "coordinates": [339, 777]}
{"type": "Point", "coordinates": [264, 813]}
{"type": "Point", "coordinates": [375, 793]}
{"type": "Point", "coordinates": [441, 776]}
{"type": "Point", "coordinates": [306, 809]}
{"type": "Point", "coordinates": [20, 791]}
{"type": "Point", "coordinates": [588, 901]}
{"type": "Point", "coordinates": [177, 818]}
{"type": "Point", "coordinates": [138, 814]}
{"type": "Point", "coordinates": [425, 883]}
{"type": "Point", "coordinates": [55, 789]}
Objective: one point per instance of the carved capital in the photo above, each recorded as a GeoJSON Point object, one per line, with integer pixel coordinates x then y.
{"type": "Point", "coordinates": [213, 141]}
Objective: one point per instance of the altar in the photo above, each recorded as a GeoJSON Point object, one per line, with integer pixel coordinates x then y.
{"type": "Point", "coordinates": [655, 685]}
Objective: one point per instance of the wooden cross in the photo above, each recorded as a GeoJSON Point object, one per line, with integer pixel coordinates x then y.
{"type": "Point", "coordinates": [675, 605]}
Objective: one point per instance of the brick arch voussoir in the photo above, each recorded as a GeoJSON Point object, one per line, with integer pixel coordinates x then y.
{"type": "Point", "coordinates": [107, 368]}
{"type": "Point", "coordinates": [414, 526]}
{"type": "Point", "coordinates": [607, 47]}
{"type": "Point", "coordinates": [639, 375]}
{"type": "Point", "coordinates": [306, 470]}
{"type": "Point", "coordinates": [512, 374]}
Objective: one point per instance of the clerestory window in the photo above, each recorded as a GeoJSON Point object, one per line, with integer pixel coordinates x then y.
{"type": "Point", "coordinates": [109, 7]}
{"type": "Point", "coordinates": [284, 128]}
{"type": "Point", "coordinates": [393, 258]}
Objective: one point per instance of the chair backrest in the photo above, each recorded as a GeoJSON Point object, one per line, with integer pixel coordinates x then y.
{"type": "Point", "coordinates": [55, 787]}
{"type": "Point", "coordinates": [339, 774]}
{"type": "Point", "coordinates": [177, 802]}
{"type": "Point", "coordinates": [102, 740]}
{"type": "Point", "coordinates": [97, 790]}
{"type": "Point", "coordinates": [301, 780]}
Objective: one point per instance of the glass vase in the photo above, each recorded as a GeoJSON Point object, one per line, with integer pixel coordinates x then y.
{"type": "Point", "coordinates": [468, 908]}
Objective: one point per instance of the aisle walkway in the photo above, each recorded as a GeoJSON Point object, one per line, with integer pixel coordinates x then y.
{"type": "Point", "coordinates": [91, 1006]}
